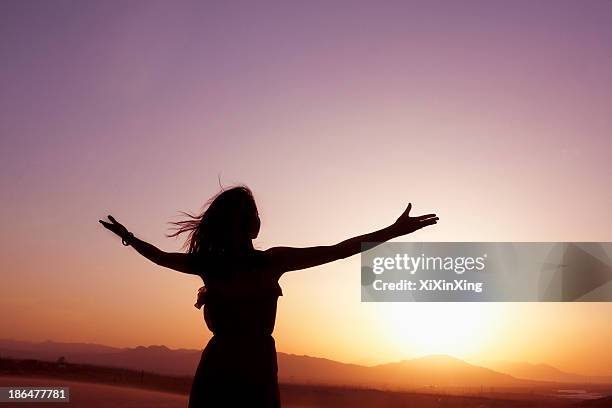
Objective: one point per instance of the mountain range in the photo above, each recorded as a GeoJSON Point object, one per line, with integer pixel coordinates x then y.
{"type": "Point", "coordinates": [421, 373]}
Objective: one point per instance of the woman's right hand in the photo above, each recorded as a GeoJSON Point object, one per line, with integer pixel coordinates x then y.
{"type": "Point", "coordinates": [406, 224]}
{"type": "Point", "coordinates": [115, 227]}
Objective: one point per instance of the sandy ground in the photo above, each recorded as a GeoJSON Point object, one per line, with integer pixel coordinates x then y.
{"type": "Point", "coordinates": [93, 395]}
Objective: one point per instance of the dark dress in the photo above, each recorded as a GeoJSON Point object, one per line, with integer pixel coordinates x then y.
{"type": "Point", "coordinates": [238, 366]}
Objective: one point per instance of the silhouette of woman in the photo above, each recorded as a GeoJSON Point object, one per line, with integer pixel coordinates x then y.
{"type": "Point", "coordinates": [240, 292]}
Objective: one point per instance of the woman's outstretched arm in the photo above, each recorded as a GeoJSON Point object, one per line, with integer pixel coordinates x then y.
{"type": "Point", "coordinates": [291, 259]}
{"type": "Point", "coordinates": [173, 260]}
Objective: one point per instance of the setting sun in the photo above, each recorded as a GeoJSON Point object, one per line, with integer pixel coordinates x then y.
{"type": "Point", "coordinates": [457, 329]}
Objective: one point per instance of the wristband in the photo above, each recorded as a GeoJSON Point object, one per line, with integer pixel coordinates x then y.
{"type": "Point", "coordinates": [126, 240]}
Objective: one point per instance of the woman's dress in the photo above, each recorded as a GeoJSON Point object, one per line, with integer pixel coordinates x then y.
{"type": "Point", "coordinates": [238, 365]}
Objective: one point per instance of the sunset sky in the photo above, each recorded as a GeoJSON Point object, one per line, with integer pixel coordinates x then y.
{"type": "Point", "coordinates": [495, 115]}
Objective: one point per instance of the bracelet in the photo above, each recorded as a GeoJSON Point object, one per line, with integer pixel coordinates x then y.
{"type": "Point", "coordinates": [126, 240]}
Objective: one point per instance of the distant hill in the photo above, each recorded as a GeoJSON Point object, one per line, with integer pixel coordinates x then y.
{"type": "Point", "coordinates": [426, 372]}
{"type": "Point", "coordinates": [544, 372]}
{"type": "Point", "coordinates": [431, 371]}
{"type": "Point", "coordinates": [445, 371]}
{"type": "Point", "coordinates": [158, 359]}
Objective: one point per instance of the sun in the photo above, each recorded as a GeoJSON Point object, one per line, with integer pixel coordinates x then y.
{"type": "Point", "coordinates": [457, 329]}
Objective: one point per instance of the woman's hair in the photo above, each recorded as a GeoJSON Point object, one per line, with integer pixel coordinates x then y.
{"type": "Point", "coordinates": [226, 224]}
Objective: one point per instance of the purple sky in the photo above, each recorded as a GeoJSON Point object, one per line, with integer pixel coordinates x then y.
{"type": "Point", "coordinates": [496, 115]}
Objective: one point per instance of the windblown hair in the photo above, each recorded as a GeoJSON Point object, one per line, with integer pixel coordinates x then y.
{"type": "Point", "coordinates": [224, 226]}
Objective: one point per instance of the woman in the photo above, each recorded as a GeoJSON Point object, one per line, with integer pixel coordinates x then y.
{"type": "Point", "coordinates": [238, 365]}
